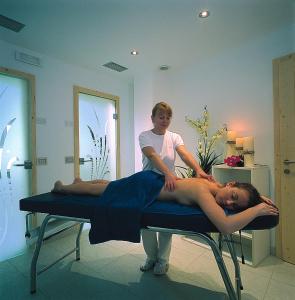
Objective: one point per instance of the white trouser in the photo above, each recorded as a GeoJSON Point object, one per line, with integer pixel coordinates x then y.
{"type": "Point", "coordinates": [157, 245]}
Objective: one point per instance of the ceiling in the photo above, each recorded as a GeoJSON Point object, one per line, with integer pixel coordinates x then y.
{"type": "Point", "coordinates": [90, 33]}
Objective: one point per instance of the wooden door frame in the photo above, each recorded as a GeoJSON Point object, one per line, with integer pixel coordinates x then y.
{"type": "Point", "coordinates": [32, 98]}
{"type": "Point", "coordinates": [77, 90]}
{"type": "Point", "coordinates": [277, 148]}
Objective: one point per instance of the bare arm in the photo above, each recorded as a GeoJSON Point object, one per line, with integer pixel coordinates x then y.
{"type": "Point", "coordinates": [190, 161]}
{"type": "Point", "coordinates": [170, 178]}
{"type": "Point", "coordinates": [227, 224]}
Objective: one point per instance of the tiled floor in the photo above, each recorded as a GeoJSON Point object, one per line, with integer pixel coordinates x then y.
{"type": "Point", "coordinates": [111, 271]}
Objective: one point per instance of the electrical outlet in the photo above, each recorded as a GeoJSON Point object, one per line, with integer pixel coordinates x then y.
{"type": "Point", "coordinates": [42, 161]}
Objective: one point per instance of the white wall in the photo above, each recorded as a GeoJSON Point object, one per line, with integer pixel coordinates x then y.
{"type": "Point", "coordinates": [237, 88]}
{"type": "Point", "coordinates": [143, 104]}
{"type": "Point", "coordinates": [54, 102]}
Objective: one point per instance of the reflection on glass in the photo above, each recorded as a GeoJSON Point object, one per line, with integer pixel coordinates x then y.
{"type": "Point", "coordinates": [97, 135]}
{"type": "Point", "coordinates": [3, 138]}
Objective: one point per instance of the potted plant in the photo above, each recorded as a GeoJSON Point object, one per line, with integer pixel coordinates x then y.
{"type": "Point", "coordinates": [205, 149]}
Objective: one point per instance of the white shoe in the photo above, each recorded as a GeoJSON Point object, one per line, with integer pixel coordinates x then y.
{"type": "Point", "coordinates": [161, 268]}
{"type": "Point", "coordinates": [148, 265]}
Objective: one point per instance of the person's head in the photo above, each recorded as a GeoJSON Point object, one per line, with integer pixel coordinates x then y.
{"type": "Point", "coordinates": [161, 116]}
{"type": "Point", "coordinates": [237, 196]}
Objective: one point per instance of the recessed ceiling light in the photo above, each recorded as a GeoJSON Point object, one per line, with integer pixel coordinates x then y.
{"type": "Point", "coordinates": [134, 52]}
{"type": "Point", "coordinates": [204, 14]}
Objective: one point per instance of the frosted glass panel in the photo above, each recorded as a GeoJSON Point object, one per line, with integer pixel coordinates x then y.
{"type": "Point", "coordinates": [97, 136]}
{"type": "Point", "coordinates": [14, 181]}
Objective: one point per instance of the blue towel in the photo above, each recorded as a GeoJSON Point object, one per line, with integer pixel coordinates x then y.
{"type": "Point", "coordinates": [117, 214]}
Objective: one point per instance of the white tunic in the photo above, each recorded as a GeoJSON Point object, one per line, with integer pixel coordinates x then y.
{"type": "Point", "coordinates": [164, 145]}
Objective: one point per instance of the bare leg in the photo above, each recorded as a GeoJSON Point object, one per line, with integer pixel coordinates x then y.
{"type": "Point", "coordinates": [101, 181]}
{"type": "Point", "coordinates": [85, 188]}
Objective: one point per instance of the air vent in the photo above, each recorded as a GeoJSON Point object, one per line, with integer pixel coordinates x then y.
{"type": "Point", "coordinates": [113, 66]}
{"type": "Point", "coordinates": [11, 24]}
{"type": "Point", "coordinates": [28, 59]}
{"type": "Point", "coordinates": [164, 68]}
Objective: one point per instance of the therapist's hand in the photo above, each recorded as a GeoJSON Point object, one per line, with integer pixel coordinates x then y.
{"type": "Point", "coordinates": [202, 174]}
{"type": "Point", "coordinates": [170, 182]}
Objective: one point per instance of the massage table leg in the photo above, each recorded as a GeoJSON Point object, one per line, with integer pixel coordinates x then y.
{"type": "Point", "coordinates": [233, 295]}
{"type": "Point", "coordinates": [221, 265]}
{"type": "Point", "coordinates": [78, 241]}
{"type": "Point", "coordinates": [36, 254]}
{"type": "Point", "coordinates": [216, 251]}
{"type": "Point", "coordinates": [34, 272]}
{"type": "Point", "coordinates": [231, 247]}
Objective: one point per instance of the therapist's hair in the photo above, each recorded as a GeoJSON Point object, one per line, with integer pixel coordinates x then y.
{"type": "Point", "coordinates": [254, 196]}
{"type": "Point", "coordinates": [162, 106]}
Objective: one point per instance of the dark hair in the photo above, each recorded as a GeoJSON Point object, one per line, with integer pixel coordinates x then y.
{"type": "Point", "coordinates": [254, 196]}
{"type": "Point", "coordinates": [162, 106]}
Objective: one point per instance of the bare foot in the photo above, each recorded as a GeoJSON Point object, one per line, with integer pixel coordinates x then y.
{"type": "Point", "coordinates": [77, 180]}
{"type": "Point", "coordinates": [57, 187]}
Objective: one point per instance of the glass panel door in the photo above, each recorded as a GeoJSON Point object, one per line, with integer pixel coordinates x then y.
{"type": "Point", "coordinates": [15, 162]}
{"type": "Point", "coordinates": [97, 137]}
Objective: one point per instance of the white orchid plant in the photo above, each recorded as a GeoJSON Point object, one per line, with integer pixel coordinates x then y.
{"type": "Point", "coordinates": [205, 150]}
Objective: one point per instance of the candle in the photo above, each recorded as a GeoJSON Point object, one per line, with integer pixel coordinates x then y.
{"type": "Point", "coordinates": [231, 136]}
{"type": "Point", "coordinates": [239, 143]}
{"type": "Point", "coordinates": [249, 160]}
{"type": "Point", "coordinates": [248, 143]}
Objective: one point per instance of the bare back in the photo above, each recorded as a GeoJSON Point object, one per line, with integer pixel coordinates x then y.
{"type": "Point", "coordinates": [206, 194]}
{"type": "Point", "coordinates": [187, 191]}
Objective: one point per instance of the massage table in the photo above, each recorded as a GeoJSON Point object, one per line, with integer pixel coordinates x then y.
{"type": "Point", "coordinates": [159, 216]}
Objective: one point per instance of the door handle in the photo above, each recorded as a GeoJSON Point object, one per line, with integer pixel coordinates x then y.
{"type": "Point", "coordinates": [288, 162]}
{"type": "Point", "coordinates": [82, 160]}
{"type": "Point", "coordinates": [27, 165]}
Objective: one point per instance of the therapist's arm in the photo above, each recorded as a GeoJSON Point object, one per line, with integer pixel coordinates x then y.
{"type": "Point", "coordinates": [191, 162]}
{"type": "Point", "coordinates": [153, 156]}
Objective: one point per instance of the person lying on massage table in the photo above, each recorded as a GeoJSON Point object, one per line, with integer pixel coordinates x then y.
{"type": "Point", "coordinates": [211, 197]}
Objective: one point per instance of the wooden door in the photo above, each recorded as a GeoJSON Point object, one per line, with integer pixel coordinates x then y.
{"type": "Point", "coordinates": [284, 122]}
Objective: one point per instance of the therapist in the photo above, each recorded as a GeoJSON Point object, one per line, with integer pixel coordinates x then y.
{"type": "Point", "coordinates": [158, 147]}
